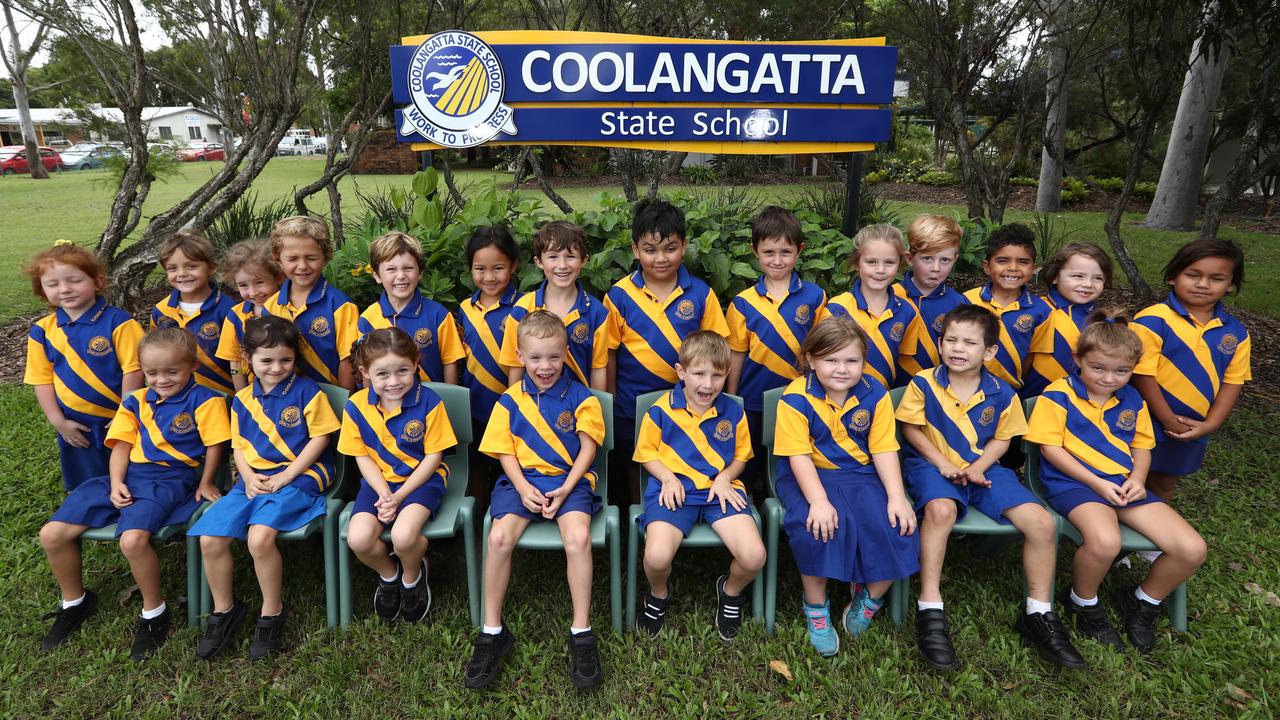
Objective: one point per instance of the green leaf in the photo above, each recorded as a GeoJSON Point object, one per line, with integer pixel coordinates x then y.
{"type": "Point", "coordinates": [745, 270]}
{"type": "Point", "coordinates": [425, 182]}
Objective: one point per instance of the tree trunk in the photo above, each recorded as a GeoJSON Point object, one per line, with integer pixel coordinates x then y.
{"type": "Point", "coordinates": [450, 182]}
{"type": "Point", "coordinates": [1177, 194]}
{"type": "Point", "coordinates": [964, 152]}
{"type": "Point", "coordinates": [1049, 193]}
{"type": "Point", "coordinates": [1112, 226]}
{"type": "Point", "coordinates": [550, 192]}
{"type": "Point", "coordinates": [1246, 172]}
{"type": "Point", "coordinates": [17, 65]}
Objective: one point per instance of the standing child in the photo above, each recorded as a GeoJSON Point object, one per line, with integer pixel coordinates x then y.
{"type": "Point", "coordinates": [158, 440]}
{"type": "Point", "coordinates": [280, 427]}
{"type": "Point", "coordinates": [1076, 275]}
{"type": "Point", "coordinates": [767, 325]}
{"type": "Point", "coordinates": [249, 267]}
{"type": "Point", "coordinates": [958, 420]}
{"type": "Point", "coordinates": [694, 444]}
{"type": "Point", "coordinates": [397, 430]}
{"type": "Point", "coordinates": [650, 311]}
{"type": "Point", "coordinates": [196, 304]}
{"type": "Point", "coordinates": [934, 242]}
{"type": "Point", "coordinates": [397, 264]}
{"type": "Point", "coordinates": [324, 316]}
{"type": "Point", "coordinates": [890, 322]}
{"type": "Point", "coordinates": [544, 430]}
{"type": "Point", "coordinates": [847, 516]}
{"type": "Point", "coordinates": [1095, 436]}
{"type": "Point", "coordinates": [82, 359]}
{"type": "Point", "coordinates": [1195, 358]}
{"type": "Point", "coordinates": [560, 251]}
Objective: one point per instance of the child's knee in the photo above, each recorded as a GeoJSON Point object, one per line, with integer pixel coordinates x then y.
{"type": "Point", "coordinates": [502, 539]}
{"type": "Point", "coordinates": [134, 543]}
{"type": "Point", "coordinates": [406, 538]}
{"type": "Point", "coordinates": [941, 512]}
{"type": "Point", "coordinates": [1104, 544]}
{"type": "Point", "coordinates": [261, 542]}
{"type": "Point", "coordinates": [214, 545]}
{"type": "Point", "coordinates": [751, 557]}
{"type": "Point", "coordinates": [362, 542]}
{"type": "Point", "coordinates": [577, 539]}
{"type": "Point", "coordinates": [1190, 549]}
{"type": "Point", "coordinates": [55, 536]}
{"type": "Point", "coordinates": [1038, 525]}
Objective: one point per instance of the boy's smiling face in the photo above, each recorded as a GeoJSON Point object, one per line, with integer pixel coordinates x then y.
{"type": "Point", "coordinates": [659, 257]}
{"type": "Point", "coordinates": [703, 383]}
{"type": "Point", "coordinates": [166, 368]}
{"type": "Point", "coordinates": [543, 358]}
{"type": "Point", "coordinates": [777, 256]}
{"type": "Point", "coordinates": [399, 276]}
{"type": "Point", "coordinates": [1010, 268]}
{"type": "Point", "coordinates": [561, 266]}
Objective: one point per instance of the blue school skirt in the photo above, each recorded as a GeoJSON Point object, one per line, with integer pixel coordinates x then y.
{"type": "Point", "coordinates": [864, 548]}
{"type": "Point", "coordinates": [80, 464]}
{"type": "Point", "coordinates": [161, 496]}
{"type": "Point", "coordinates": [289, 508]}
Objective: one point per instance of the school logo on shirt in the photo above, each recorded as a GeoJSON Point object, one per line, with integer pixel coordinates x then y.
{"type": "Point", "coordinates": [1127, 421]}
{"type": "Point", "coordinates": [413, 431]}
{"type": "Point", "coordinates": [182, 424]}
{"type": "Point", "coordinates": [580, 333]}
{"type": "Point", "coordinates": [422, 337]}
{"type": "Point", "coordinates": [320, 327]}
{"type": "Point", "coordinates": [685, 309]}
{"type": "Point", "coordinates": [724, 430]}
{"type": "Point", "coordinates": [565, 421]}
{"type": "Point", "coordinates": [99, 346]}
{"type": "Point", "coordinates": [860, 420]}
{"type": "Point", "coordinates": [1227, 344]}
{"type": "Point", "coordinates": [209, 331]}
{"type": "Point", "coordinates": [937, 323]}
{"type": "Point", "coordinates": [291, 416]}
{"type": "Point", "coordinates": [988, 415]}
{"type": "Point", "coordinates": [895, 332]}
{"type": "Point", "coordinates": [803, 313]}
{"type": "Point", "coordinates": [1025, 322]}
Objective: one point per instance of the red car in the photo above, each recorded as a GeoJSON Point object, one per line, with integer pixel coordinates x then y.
{"type": "Point", "coordinates": [13, 159]}
{"type": "Point", "coordinates": [209, 151]}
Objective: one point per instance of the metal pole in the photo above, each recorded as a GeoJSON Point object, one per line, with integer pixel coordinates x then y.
{"type": "Point", "coordinates": [851, 192]}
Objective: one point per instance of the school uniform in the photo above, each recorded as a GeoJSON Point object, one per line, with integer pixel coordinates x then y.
{"type": "Point", "coordinates": [327, 322]}
{"type": "Point", "coordinates": [206, 327]}
{"type": "Point", "coordinates": [540, 429]}
{"type": "Point", "coordinates": [932, 308]}
{"type": "Point", "coordinates": [232, 335]}
{"type": "Point", "coordinates": [482, 334]}
{"type": "Point", "coordinates": [840, 439]}
{"type": "Point", "coordinates": [398, 440]}
{"type": "Point", "coordinates": [1018, 323]}
{"type": "Point", "coordinates": [168, 440]}
{"type": "Point", "coordinates": [1053, 345]}
{"type": "Point", "coordinates": [428, 323]}
{"type": "Point", "coordinates": [961, 430]}
{"type": "Point", "coordinates": [586, 325]}
{"type": "Point", "coordinates": [85, 360]}
{"type": "Point", "coordinates": [1190, 362]}
{"type": "Point", "coordinates": [696, 448]}
{"type": "Point", "coordinates": [898, 326]}
{"type": "Point", "coordinates": [1102, 437]}
{"type": "Point", "coordinates": [270, 428]}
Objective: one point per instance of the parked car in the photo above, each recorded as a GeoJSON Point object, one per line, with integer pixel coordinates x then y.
{"type": "Point", "coordinates": [296, 146]}
{"type": "Point", "coordinates": [206, 151]}
{"type": "Point", "coordinates": [83, 156]}
{"type": "Point", "coordinates": [320, 144]}
{"type": "Point", "coordinates": [13, 159]}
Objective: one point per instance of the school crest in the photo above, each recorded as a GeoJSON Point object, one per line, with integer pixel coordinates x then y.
{"type": "Point", "coordinates": [564, 422]}
{"type": "Point", "coordinates": [291, 416]}
{"type": "Point", "coordinates": [1127, 421]}
{"type": "Point", "coordinates": [456, 85]}
{"type": "Point", "coordinates": [895, 332]}
{"type": "Point", "coordinates": [1227, 344]}
{"type": "Point", "coordinates": [99, 346]}
{"type": "Point", "coordinates": [803, 313]}
{"type": "Point", "coordinates": [182, 424]}
{"type": "Point", "coordinates": [724, 430]}
{"type": "Point", "coordinates": [937, 323]}
{"type": "Point", "coordinates": [209, 331]}
{"type": "Point", "coordinates": [988, 415]}
{"type": "Point", "coordinates": [320, 327]}
{"type": "Point", "coordinates": [685, 309]}
{"type": "Point", "coordinates": [422, 337]}
{"type": "Point", "coordinates": [1025, 322]}
{"type": "Point", "coordinates": [580, 333]}
{"type": "Point", "coordinates": [860, 420]}
{"type": "Point", "coordinates": [413, 431]}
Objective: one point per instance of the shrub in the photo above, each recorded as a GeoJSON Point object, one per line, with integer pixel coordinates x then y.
{"type": "Point", "coordinates": [700, 175]}
{"type": "Point", "coordinates": [244, 220]}
{"type": "Point", "coordinates": [938, 178]}
{"type": "Point", "coordinates": [1074, 190]}
{"type": "Point", "coordinates": [1024, 181]}
{"type": "Point", "coordinates": [1145, 191]}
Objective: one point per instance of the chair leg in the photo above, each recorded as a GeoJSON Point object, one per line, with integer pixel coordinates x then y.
{"type": "Point", "coordinates": [613, 537]}
{"type": "Point", "coordinates": [633, 556]}
{"type": "Point", "coordinates": [467, 520]}
{"type": "Point", "coordinates": [344, 585]}
{"type": "Point", "coordinates": [757, 596]}
{"type": "Point", "coordinates": [771, 573]}
{"type": "Point", "coordinates": [899, 593]}
{"type": "Point", "coordinates": [195, 572]}
{"type": "Point", "coordinates": [485, 528]}
{"type": "Point", "coordinates": [330, 539]}
{"type": "Point", "coordinates": [1177, 607]}
{"type": "Point", "coordinates": [206, 595]}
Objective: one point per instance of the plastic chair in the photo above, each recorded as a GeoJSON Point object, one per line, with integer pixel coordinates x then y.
{"type": "Point", "coordinates": [606, 531]}
{"type": "Point", "coordinates": [1130, 540]}
{"type": "Point", "coordinates": [700, 536]}
{"type": "Point", "coordinates": [456, 515]}
{"type": "Point", "coordinates": [328, 522]}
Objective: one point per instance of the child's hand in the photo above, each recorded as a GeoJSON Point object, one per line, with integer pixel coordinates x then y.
{"type": "Point", "coordinates": [388, 507]}
{"type": "Point", "coordinates": [672, 495]}
{"type": "Point", "coordinates": [1133, 490]}
{"type": "Point", "coordinates": [901, 515]}
{"type": "Point", "coordinates": [822, 521]}
{"type": "Point", "coordinates": [724, 491]}
{"type": "Point", "coordinates": [73, 433]}
{"type": "Point", "coordinates": [277, 482]}
{"type": "Point", "coordinates": [120, 495]}
{"type": "Point", "coordinates": [1111, 492]}
{"type": "Point", "coordinates": [255, 485]}
{"type": "Point", "coordinates": [976, 477]}
{"type": "Point", "coordinates": [208, 491]}
{"type": "Point", "coordinates": [952, 473]}
{"type": "Point", "coordinates": [1192, 429]}
{"type": "Point", "coordinates": [533, 499]}
{"type": "Point", "coordinates": [555, 499]}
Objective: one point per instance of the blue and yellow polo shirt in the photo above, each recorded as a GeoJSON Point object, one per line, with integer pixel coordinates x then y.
{"type": "Point", "coordinates": [1190, 361]}
{"type": "Point", "coordinates": [1019, 321]}
{"type": "Point", "coordinates": [399, 439]}
{"type": "Point", "coordinates": [836, 437]}
{"type": "Point", "coordinates": [482, 329]}
{"type": "Point", "coordinates": [897, 327]}
{"type": "Point", "coordinates": [770, 331]}
{"type": "Point", "coordinates": [206, 327]}
{"type": "Point", "coordinates": [932, 308]}
{"type": "Point", "coordinates": [960, 429]}
{"type": "Point", "coordinates": [327, 322]}
{"type": "Point", "coordinates": [540, 428]}
{"type": "Point", "coordinates": [173, 431]}
{"type": "Point", "coordinates": [1053, 345]}
{"type": "Point", "coordinates": [85, 360]}
{"type": "Point", "coordinates": [696, 448]}
{"type": "Point", "coordinates": [586, 325]}
{"type": "Point", "coordinates": [428, 323]}
{"type": "Point", "coordinates": [232, 335]}
{"type": "Point", "coordinates": [647, 332]}
{"type": "Point", "coordinates": [271, 427]}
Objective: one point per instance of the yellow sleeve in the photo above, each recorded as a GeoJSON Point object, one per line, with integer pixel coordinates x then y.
{"type": "Point", "coordinates": [590, 419]}
{"type": "Point", "coordinates": [713, 316]}
{"type": "Point", "coordinates": [127, 337]}
{"type": "Point", "coordinates": [739, 338]}
{"type": "Point", "coordinates": [791, 433]}
{"type": "Point", "coordinates": [1013, 421]}
{"type": "Point", "coordinates": [39, 370]}
{"type": "Point", "coordinates": [915, 328]}
{"type": "Point", "coordinates": [238, 442]}
{"type": "Point", "coordinates": [497, 439]}
{"type": "Point", "coordinates": [451, 349]}
{"type": "Point", "coordinates": [614, 325]}
{"type": "Point", "coordinates": [1238, 371]}
{"type": "Point", "coordinates": [319, 416]}
{"type": "Point", "coordinates": [650, 440]}
{"type": "Point", "coordinates": [349, 440]}
{"type": "Point", "coordinates": [600, 345]}
{"type": "Point", "coordinates": [507, 355]}
{"type": "Point", "coordinates": [1152, 347]}
{"type": "Point", "coordinates": [742, 441]}
{"type": "Point", "coordinates": [123, 428]}
{"type": "Point", "coordinates": [821, 312]}
{"type": "Point", "coordinates": [213, 421]}
{"type": "Point", "coordinates": [1048, 423]}
{"type": "Point", "coordinates": [228, 343]}
{"type": "Point", "coordinates": [911, 406]}
{"type": "Point", "coordinates": [345, 328]}
{"type": "Point", "coordinates": [1042, 338]}
{"type": "Point", "coordinates": [883, 435]}
{"type": "Point", "coordinates": [439, 436]}
{"type": "Point", "coordinates": [1144, 435]}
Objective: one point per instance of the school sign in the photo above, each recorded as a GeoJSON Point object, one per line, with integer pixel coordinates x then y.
{"type": "Point", "coordinates": [458, 89]}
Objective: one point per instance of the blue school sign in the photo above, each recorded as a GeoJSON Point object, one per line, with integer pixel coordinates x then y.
{"type": "Point", "coordinates": [458, 89]}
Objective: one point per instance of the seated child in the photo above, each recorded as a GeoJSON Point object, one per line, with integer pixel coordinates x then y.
{"type": "Point", "coordinates": [196, 303]}
{"type": "Point", "coordinates": [249, 267]}
{"type": "Point", "coordinates": [694, 444]}
{"type": "Point", "coordinates": [958, 419]}
{"type": "Point", "coordinates": [159, 439]}
{"type": "Point", "coordinates": [544, 430]}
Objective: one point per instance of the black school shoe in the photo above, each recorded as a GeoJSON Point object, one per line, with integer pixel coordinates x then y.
{"type": "Point", "coordinates": [150, 636]}
{"type": "Point", "coordinates": [218, 629]}
{"type": "Point", "coordinates": [585, 670]}
{"type": "Point", "coordinates": [268, 636]}
{"type": "Point", "coordinates": [486, 658]}
{"type": "Point", "coordinates": [1090, 620]}
{"type": "Point", "coordinates": [653, 611]}
{"type": "Point", "coordinates": [1139, 617]}
{"type": "Point", "coordinates": [386, 597]}
{"type": "Point", "coordinates": [728, 611]}
{"type": "Point", "coordinates": [416, 601]}
{"type": "Point", "coordinates": [68, 620]}
{"type": "Point", "coordinates": [1048, 636]}
{"type": "Point", "coordinates": [934, 639]}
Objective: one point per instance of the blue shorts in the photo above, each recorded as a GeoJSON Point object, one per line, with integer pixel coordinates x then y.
{"type": "Point", "coordinates": [289, 508]}
{"type": "Point", "coordinates": [926, 484]}
{"type": "Point", "coordinates": [161, 496]}
{"type": "Point", "coordinates": [1176, 457]}
{"type": "Point", "coordinates": [695, 509]}
{"type": "Point", "coordinates": [1076, 494]}
{"type": "Point", "coordinates": [80, 464]}
{"type": "Point", "coordinates": [429, 495]}
{"type": "Point", "coordinates": [506, 499]}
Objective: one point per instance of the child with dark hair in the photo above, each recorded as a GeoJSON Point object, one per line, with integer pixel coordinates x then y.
{"type": "Point", "coordinates": [196, 304]}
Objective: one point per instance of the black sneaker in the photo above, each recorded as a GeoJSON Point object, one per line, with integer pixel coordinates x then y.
{"type": "Point", "coordinates": [486, 658]}
{"type": "Point", "coordinates": [268, 636]}
{"type": "Point", "coordinates": [653, 611]}
{"type": "Point", "coordinates": [68, 620]}
{"type": "Point", "coordinates": [416, 601]}
{"type": "Point", "coordinates": [1139, 617]}
{"type": "Point", "coordinates": [386, 597]}
{"type": "Point", "coordinates": [218, 629]}
{"type": "Point", "coordinates": [150, 635]}
{"type": "Point", "coordinates": [585, 670]}
{"type": "Point", "coordinates": [1048, 636]}
{"type": "Point", "coordinates": [934, 639]}
{"type": "Point", "coordinates": [728, 611]}
{"type": "Point", "coordinates": [1090, 620]}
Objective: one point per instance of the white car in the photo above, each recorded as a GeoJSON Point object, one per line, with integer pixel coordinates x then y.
{"type": "Point", "coordinates": [296, 146]}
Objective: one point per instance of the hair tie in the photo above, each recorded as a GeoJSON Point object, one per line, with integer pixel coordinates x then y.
{"type": "Point", "coordinates": [62, 241]}
{"type": "Point", "coordinates": [359, 341]}
{"type": "Point", "coordinates": [1110, 320]}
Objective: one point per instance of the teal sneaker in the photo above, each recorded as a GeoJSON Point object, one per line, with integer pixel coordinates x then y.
{"type": "Point", "coordinates": [859, 613]}
{"type": "Point", "coordinates": [822, 636]}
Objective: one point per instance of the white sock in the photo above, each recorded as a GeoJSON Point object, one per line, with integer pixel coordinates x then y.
{"type": "Point", "coordinates": [491, 629]}
{"type": "Point", "coordinates": [922, 605]}
{"type": "Point", "coordinates": [154, 613]}
{"type": "Point", "coordinates": [413, 584]}
{"type": "Point", "coordinates": [1138, 593]}
{"type": "Point", "coordinates": [579, 631]}
{"type": "Point", "coordinates": [391, 579]}
{"type": "Point", "coordinates": [72, 603]}
{"type": "Point", "coordinates": [1081, 601]}
{"type": "Point", "coordinates": [1035, 606]}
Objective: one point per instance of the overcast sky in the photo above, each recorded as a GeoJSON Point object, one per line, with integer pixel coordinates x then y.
{"type": "Point", "coordinates": [152, 38]}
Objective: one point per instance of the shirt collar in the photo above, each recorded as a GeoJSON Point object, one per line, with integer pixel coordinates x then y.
{"type": "Point", "coordinates": [580, 303]}
{"type": "Point", "coordinates": [89, 316]}
{"type": "Point", "coordinates": [1022, 301]}
{"type": "Point", "coordinates": [559, 388]}
{"type": "Point", "coordinates": [413, 308]}
{"type": "Point", "coordinates": [1182, 310]}
{"type": "Point", "coordinates": [793, 286]}
{"type": "Point", "coordinates": [987, 383]}
{"type": "Point", "coordinates": [680, 402]}
{"type": "Point", "coordinates": [860, 300]}
{"type": "Point", "coordinates": [153, 398]}
{"type": "Point", "coordinates": [859, 390]}
{"type": "Point", "coordinates": [508, 297]}
{"type": "Point", "coordinates": [411, 398]}
{"type": "Point", "coordinates": [683, 278]}
{"type": "Point", "coordinates": [215, 296]}
{"type": "Point", "coordinates": [280, 390]}
{"type": "Point", "coordinates": [915, 293]}
{"type": "Point", "coordinates": [1077, 386]}
{"type": "Point", "coordinates": [317, 291]}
